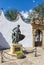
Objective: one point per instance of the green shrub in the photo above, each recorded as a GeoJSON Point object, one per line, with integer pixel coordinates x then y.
{"type": "Point", "coordinates": [20, 54]}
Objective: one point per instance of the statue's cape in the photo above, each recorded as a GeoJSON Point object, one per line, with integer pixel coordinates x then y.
{"type": "Point", "coordinates": [21, 37]}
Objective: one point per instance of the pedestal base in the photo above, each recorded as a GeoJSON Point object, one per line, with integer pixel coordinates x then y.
{"type": "Point", "coordinates": [15, 48]}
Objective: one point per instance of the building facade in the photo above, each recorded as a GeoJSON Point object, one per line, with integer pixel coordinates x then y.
{"type": "Point", "coordinates": [38, 32]}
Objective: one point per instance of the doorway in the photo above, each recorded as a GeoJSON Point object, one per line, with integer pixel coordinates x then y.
{"type": "Point", "coordinates": [38, 38]}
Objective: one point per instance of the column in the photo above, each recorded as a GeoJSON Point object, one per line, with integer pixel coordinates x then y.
{"type": "Point", "coordinates": [43, 40]}
{"type": "Point", "coordinates": [33, 32]}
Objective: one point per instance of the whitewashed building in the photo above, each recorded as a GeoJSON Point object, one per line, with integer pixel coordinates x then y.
{"type": "Point", "coordinates": [6, 27]}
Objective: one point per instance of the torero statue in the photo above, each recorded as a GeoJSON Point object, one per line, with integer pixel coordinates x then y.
{"type": "Point", "coordinates": [15, 34]}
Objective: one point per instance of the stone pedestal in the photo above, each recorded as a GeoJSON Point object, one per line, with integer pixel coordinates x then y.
{"type": "Point", "coordinates": [14, 48]}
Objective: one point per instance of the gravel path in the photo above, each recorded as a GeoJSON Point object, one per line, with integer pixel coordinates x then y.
{"type": "Point", "coordinates": [29, 60]}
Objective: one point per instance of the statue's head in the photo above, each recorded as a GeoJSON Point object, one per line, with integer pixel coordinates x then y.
{"type": "Point", "coordinates": [18, 26]}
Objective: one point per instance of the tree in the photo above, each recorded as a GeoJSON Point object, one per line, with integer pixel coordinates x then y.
{"type": "Point", "coordinates": [40, 9]}
{"type": "Point", "coordinates": [11, 14]}
{"type": "Point", "coordinates": [37, 12]}
{"type": "Point", "coordinates": [32, 14]}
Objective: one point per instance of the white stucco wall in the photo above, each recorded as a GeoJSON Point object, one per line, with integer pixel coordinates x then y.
{"type": "Point", "coordinates": [6, 30]}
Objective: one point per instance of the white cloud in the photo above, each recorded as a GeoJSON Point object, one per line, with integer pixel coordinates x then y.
{"type": "Point", "coordinates": [30, 10]}
{"type": "Point", "coordinates": [25, 14]}
{"type": "Point", "coordinates": [33, 1]}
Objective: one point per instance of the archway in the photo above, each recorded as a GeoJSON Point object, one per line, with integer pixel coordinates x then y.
{"type": "Point", "coordinates": [38, 38]}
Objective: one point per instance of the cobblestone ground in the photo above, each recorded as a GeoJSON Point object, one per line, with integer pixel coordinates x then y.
{"type": "Point", "coordinates": [29, 60]}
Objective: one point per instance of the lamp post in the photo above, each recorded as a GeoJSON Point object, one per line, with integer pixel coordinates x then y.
{"type": "Point", "coordinates": [35, 51]}
{"type": "Point", "coordinates": [35, 46]}
{"type": "Point", "coordinates": [2, 56]}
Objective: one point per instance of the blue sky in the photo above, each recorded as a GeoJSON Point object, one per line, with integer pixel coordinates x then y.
{"type": "Point", "coordinates": [20, 5]}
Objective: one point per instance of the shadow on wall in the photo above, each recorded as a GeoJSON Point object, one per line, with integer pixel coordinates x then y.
{"type": "Point", "coordinates": [3, 42]}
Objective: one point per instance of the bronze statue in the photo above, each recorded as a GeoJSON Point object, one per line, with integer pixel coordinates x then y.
{"type": "Point", "coordinates": [15, 34]}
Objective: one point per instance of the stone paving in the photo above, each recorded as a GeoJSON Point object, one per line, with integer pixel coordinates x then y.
{"type": "Point", "coordinates": [29, 60]}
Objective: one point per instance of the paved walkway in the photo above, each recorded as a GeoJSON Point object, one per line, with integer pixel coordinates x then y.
{"type": "Point", "coordinates": [29, 60]}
